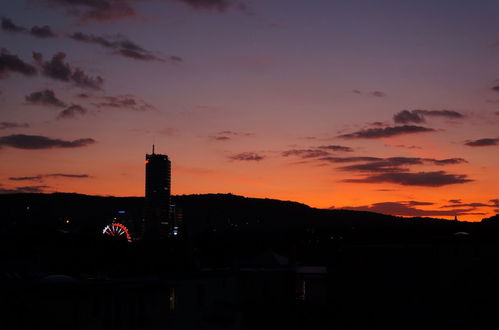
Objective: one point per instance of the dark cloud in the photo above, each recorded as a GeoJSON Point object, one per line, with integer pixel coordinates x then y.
{"type": "Point", "coordinates": [229, 135]}
{"type": "Point", "coordinates": [83, 95]}
{"type": "Point", "coordinates": [416, 203]}
{"type": "Point", "coordinates": [404, 146]}
{"type": "Point", "coordinates": [127, 101]}
{"type": "Point", "coordinates": [216, 5]}
{"type": "Point", "coordinates": [321, 151]}
{"type": "Point", "coordinates": [65, 175]}
{"type": "Point", "coordinates": [448, 161]}
{"type": "Point", "coordinates": [376, 133]}
{"type": "Point", "coordinates": [336, 148]}
{"type": "Point", "coordinates": [8, 25]}
{"type": "Point", "coordinates": [407, 209]}
{"type": "Point", "coordinates": [373, 93]}
{"type": "Point", "coordinates": [220, 138]}
{"type": "Point", "coordinates": [391, 164]}
{"type": "Point", "coordinates": [44, 97]}
{"type": "Point", "coordinates": [12, 63]}
{"type": "Point", "coordinates": [72, 111]}
{"type": "Point", "coordinates": [350, 159]}
{"type": "Point", "coordinates": [455, 201]}
{"type": "Point", "coordinates": [425, 179]}
{"type": "Point", "coordinates": [57, 69]}
{"type": "Point", "coordinates": [247, 156]}
{"type": "Point", "coordinates": [495, 88]}
{"type": "Point", "coordinates": [40, 177]}
{"type": "Point", "coordinates": [42, 32]}
{"type": "Point", "coordinates": [233, 133]}
{"type": "Point", "coordinates": [27, 178]}
{"type": "Point", "coordinates": [24, 190]}
{"type": "Point", "coordinates": [97, 10]}
{"type": "Point", "coordinates": [394, 164]}
{"type": "Point", "coordinates": [378, 94]}
{"type": "Point", "coordinates": [418, 116]}
{"type": "Point", "coordinates": [305, 153]}
{"type": "Point", "coordinates": [406, 116]}
{"type": "Point", "coordinates": [122, 46]}
{"type": "Point", "coordinates": [8, 124]}
{"type": "Point", "coordinates": [495, 202]}
{"type": "Point", "coordinates": [467, 205]}
{"type": "Point", "coordinates": [483, 142]}
{"type": "Point", "coordinates": [22, 141]}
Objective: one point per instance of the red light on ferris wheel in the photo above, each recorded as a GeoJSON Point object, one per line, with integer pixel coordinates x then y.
{"type": "Point", "coordinates": [116, 230]}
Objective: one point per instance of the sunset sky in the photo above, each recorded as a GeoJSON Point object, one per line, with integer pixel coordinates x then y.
{"type": "Point", "coordinates": [390, 106]}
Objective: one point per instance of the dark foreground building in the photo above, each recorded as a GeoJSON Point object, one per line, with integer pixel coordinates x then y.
{"type": "Point", "coordinates": [157, 197]}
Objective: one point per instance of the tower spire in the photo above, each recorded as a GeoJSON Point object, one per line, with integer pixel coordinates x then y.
{"type": "Point", "coordinates": [153, 149]}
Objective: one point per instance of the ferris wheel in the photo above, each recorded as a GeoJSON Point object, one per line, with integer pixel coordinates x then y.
{"type": "Point", "coordinates": [116, 230]}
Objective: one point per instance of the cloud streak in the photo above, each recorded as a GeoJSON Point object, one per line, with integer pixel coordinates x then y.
{"type": "Point", "coordinates": [127, 101]}
{"type": "Point", "coordinates": [247, 156]}
{"type": "Point", "coordinates": [40, 177]}
{"type": "Point", "coordinates": [487, 142]}
{"type": "Point", "coordinates": [229, 135]}
{"type": "Point", "coordinates": [217, 5]}
{"type": "Point", "coordinates": [377, 133]}
{"type": "Point", "coordinates": [423, 179]}
{"type": "Point", "coordinates": [34, 142]}
{"type": "Point", "coordinates": [123, 46]}
{"type": "Point", "coordinates": [419, 116]}
{"type": "Point", "coordinates": [9, 124]}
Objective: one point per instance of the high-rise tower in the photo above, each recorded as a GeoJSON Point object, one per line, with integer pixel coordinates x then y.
{"type": "Point", "coordinates": [157, 198]}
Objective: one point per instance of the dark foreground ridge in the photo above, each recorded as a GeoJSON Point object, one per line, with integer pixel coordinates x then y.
{"type": "Point", "coordinates": [241, 263]}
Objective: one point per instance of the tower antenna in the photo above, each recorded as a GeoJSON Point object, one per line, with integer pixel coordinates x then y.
{"type": "Point", "coordinates": [153, 149]}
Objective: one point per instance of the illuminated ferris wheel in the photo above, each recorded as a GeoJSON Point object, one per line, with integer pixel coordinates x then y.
{"type": "Point", "coordinates": [116, 230]}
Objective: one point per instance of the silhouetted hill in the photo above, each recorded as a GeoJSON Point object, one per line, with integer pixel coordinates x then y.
{"type": "Point", "coordinates": [492, 220]}
{"type": "Point", "coordinates": [207, 212]}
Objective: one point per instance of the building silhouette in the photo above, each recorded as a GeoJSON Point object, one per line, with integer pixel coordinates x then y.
{"type": "Point", "coordinates": [157, 196]}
